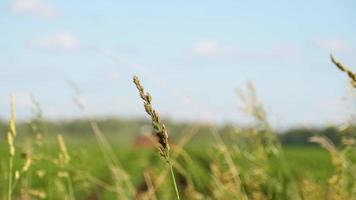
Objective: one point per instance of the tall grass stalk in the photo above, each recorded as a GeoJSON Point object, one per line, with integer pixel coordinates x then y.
{"type": "Point", "coordinates": [10, 139]}
{"type": "Point", "coordinates": [173, 178]}
{"type": "Point", "coordinates": [39, 128]}
{"type": "Point", "coordinates": [9, 190]}
{"type": "Point", "coordinates": [63, 161]}
{"type": "Point", "coordinates": [159, 129]}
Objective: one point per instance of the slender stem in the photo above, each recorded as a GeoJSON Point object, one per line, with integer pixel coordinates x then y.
{"type": "Point", "coordinates": [173, 179]}
{"type": "Point", "coordinates": [9, 190]}
{"type": "Point", "coordinates": [70, 188]}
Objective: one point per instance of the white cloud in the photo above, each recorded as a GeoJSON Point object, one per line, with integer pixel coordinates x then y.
{"type": "Point", "coordinates": [205, 48]}
{"type": "Point", "coordinates": [33, 7]}
{"type": "Point", "coordinates": [210, 48]}
{"type": "Point", "coordinates": [113, 76]}
{"type": "Point", "coordinates": [280, 51]}
{"type": "Point", "coordinates": [333, 45]}
{"type": "Point", "coordinates": [59, 41]}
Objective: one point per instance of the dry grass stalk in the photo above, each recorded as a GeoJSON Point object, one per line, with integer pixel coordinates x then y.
{"type": "Point", "coordinates": [233, 170]}
{"type": "Point", "coordinates": [11, 134]}
{"type": "Point", "coordinates": [223, 184]}
{"type": "Point", "coordinates": [251, 103]}
{"type": "Point", "coordinates": [343, 176]}
{"type": "Point", "coordinates": [338, 159]}
{"type": "Point", "coordinates": [63, 156]}
{"type": "Point", "coordinates": [63, 161]}
{"type": "Point", "coordinates": [26, 165]}
{"type": "Point", "coordinates": [158, 127]}
{"type": "Point", "coordinates": [253, 106]}
{"type": "Point", "coordinates": [14, 177]}
{"type": "Point", "coordinates": [349, 73]}
{"type": "Point", "coordinates": [24, 169]}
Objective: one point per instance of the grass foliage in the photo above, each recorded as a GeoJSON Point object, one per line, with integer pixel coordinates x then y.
{"type": "Point", "coordinates": [200, 161]}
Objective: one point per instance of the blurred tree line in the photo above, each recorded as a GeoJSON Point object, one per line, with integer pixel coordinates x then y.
{"type": "Point", "coordinates": [129, 128]}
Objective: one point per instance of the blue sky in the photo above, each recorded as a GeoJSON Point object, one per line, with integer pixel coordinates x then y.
{"type": "Point", "coordinates": [191, 55]}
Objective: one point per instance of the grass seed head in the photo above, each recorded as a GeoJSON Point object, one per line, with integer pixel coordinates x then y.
{"type": "Point", "coordinates": [26, 165]}
{"type": "Point", "coordinates": [159, 128]}
{"type": "Point", "coordinates": [64, 157]}
{"type": "Point", "coordinates": [11, 134]}
{"type": "Point", "coordinates": [342, 68]}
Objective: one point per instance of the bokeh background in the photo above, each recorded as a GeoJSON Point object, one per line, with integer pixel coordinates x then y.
{"type": "Point", "coordinates": [82, 131]}
{"type": "Point", "coordinates": [191, 55]}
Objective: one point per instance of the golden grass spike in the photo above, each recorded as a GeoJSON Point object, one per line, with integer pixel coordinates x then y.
{"type": "Point", "coordinates": [158, 127]}
{"type": "Point", "coordinates": [13, 117]}
{"type": "Point", "coordinates": [26, 165]}
{"type": "Point", "coordinates": [64, 156]}
{"type": "Point", "coordinates": [324, 142]}
{"type": "Point", "coordinates": [11, 134]}
{"type": "Point", "coordinates": [351, 75]}
{"type": "Point", "coordinates": [338, 159]}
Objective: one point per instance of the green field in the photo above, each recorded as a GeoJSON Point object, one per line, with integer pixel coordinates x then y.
{"type": "Point", "coordinates": [90, 176]}
{"type": "Point", "coordinates": [135, 159]}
